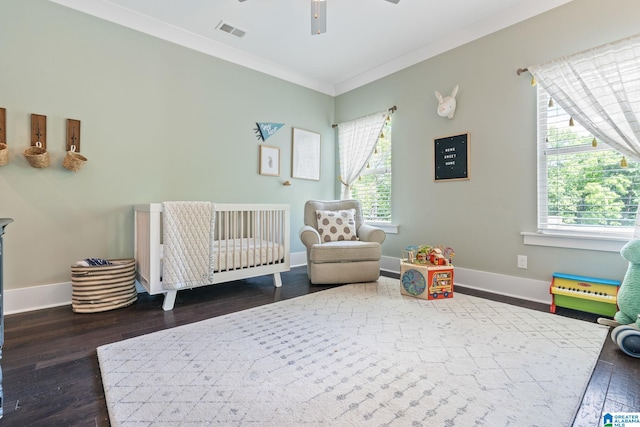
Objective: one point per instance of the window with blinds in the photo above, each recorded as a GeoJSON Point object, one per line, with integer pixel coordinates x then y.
{"type": "Point", "coordinates": [373, 188]}
{"type": "Point", "coordinates": [584, 186]}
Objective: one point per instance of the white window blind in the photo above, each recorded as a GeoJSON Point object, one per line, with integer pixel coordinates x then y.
{"type": "Point", "coordinates": [373, 186]}
{"type": "Point", "coordinates": [582, 188]}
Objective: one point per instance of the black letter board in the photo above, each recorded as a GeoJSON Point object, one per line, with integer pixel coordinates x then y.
{"type": "Point", "coordinates": [451, 157]}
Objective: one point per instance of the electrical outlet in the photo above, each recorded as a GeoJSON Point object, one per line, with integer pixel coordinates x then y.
{"type": "Point", "coordinates": [522, 261]}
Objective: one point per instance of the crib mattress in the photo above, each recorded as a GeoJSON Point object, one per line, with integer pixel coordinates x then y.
{"type": "Point", "coordinates": [243, 253]}
{"type": "Point", "coordinates": [234, 254]}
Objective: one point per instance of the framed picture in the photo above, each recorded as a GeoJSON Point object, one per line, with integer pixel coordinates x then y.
{"type": "Point", "coordinates": [269, 160]}
{"type": "Point", "coordinates": [451, 158]}
{"type": "Point", "coordinates": [306, 155]}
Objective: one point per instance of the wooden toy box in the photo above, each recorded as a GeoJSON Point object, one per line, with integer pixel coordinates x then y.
{"type": "Point", "coordinates": [426, 281]}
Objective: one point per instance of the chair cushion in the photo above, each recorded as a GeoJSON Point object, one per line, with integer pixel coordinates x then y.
{"type": "Point", "coordinates": [335, 226]}
{"type": "Point", "coordinates": [345, 251]}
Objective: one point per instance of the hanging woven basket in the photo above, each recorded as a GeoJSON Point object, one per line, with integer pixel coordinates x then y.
{"type": "Point", "coordinates": [4, 154]}
{"type": "Point", "coordinates": [73, 161]}
{"type": "Point", "coordinates": [37, 156]}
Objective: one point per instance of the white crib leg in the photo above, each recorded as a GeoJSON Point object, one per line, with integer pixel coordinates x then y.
{"type": "Point", "coordinates": [169, 300]}
{"type": "Point", "coordinates": [277, 280]}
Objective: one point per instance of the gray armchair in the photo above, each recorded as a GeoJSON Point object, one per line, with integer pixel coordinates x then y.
{"type": "Point", "coordinates": [342, 248]}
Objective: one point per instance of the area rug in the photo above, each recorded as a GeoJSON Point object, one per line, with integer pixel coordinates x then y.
{"type": "Point", "coordinates": [359, 354]}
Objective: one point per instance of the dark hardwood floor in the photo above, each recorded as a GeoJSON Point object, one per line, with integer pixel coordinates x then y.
{"type": "Point", "coordinates": [52, 377]}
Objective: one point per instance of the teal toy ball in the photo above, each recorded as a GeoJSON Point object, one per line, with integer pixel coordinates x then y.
{"type": "Point", "coordinates": [627, 338]}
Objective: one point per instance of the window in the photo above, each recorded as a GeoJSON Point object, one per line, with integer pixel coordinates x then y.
{"type": "Point", "coordinates": [583, 187]}
{"type": "Point", "coordinates": [373, 186]}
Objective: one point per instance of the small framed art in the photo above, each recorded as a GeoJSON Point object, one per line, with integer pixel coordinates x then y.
{"type": "Point", "coordinates": [306, 155]}
{"type": "Point", "coordinates": [269, 160]}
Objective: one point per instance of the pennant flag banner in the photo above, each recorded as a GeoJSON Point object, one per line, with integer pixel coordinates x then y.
{"type": "Point", "coordinates": [265, 130]}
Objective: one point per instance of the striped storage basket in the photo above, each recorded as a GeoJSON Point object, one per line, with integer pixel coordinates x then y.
{"type": "Point", "coordinates": [103, 287]}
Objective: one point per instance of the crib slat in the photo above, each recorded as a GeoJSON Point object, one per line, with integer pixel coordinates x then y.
{"type": "Point", "coordinates": [228, 218]}
{"type": "Point", "coordinates": [258, 239]}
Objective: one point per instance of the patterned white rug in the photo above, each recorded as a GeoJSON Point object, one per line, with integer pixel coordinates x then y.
{"type": "Point", "coordinates": [356, 355]}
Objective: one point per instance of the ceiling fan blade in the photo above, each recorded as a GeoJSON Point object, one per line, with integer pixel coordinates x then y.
{"type": "Point", "coordinates": [390, 1]}
{"type": "Point", "coordinates": [318, 17]}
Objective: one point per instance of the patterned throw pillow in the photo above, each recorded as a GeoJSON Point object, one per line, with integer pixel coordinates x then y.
{"type": "Point", "coordinates": [334, 226]}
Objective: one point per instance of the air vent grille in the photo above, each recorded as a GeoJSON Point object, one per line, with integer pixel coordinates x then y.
{"type": "Point", "coordinates": [231, 29]}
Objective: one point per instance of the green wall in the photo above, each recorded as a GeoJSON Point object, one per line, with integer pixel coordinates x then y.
{"type": "Point", "coordinates": [159, 122]}
{"type": "Point", "coordinates": [482, 218]}
{"type": "Point", "coordinates": [162, 122]}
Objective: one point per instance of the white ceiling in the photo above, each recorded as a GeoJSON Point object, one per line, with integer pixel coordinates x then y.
{"type": "Point", "coordinates": [365, 39]}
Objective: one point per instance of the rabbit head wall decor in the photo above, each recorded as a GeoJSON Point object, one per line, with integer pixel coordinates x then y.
{"type": "Point", "coordinates": [447, 105]}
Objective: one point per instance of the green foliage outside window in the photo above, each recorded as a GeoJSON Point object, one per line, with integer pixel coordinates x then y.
{"type": "Point", "coordinates": [586, 185]}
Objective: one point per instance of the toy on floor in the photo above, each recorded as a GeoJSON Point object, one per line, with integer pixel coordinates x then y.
{"type": "Point", "coordinates": [627, 337]}
{"type": "Point", "coordinates": [626, 323]}
{"type": "Point", "coordinates": [426, 254]}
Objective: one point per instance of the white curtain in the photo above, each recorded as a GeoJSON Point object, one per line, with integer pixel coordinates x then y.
{"type": "Point", "coordinates": [600, 89]}
{"type": "Point", "coordinates": [356, 141]}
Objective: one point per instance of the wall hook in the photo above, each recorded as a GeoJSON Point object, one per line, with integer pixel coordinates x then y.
{"type": "Point", "coordinates": [39, 130]}
{"type": "Point", "coordinates": [73, 135]}
{"type": "Point", "coordinates": [3, 125]}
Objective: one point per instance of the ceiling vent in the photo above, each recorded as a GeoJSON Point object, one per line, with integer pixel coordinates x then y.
{"type": "Point", "coordinates": [228, 28]}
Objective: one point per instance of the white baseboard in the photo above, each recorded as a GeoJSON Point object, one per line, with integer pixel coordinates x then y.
{"type": "Point", "coordinates": [37, 297]}
{"type": "Point", "coordinates": [298, 259]}
{"type": "Point", "coordinates": [501, 284]}
{"type": "Point", "coordinates": [55, 295]}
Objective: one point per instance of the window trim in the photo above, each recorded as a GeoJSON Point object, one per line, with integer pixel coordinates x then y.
{"type": "Point", "coordinates": [575, 241]}
{"type": "Point", "coordinates": [388, 227]}
{"type": "Point", "coordinates": [590, 238]}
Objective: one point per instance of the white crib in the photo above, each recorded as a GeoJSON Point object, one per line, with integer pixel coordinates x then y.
{"type": "Point", "coordinates": [249, 240]}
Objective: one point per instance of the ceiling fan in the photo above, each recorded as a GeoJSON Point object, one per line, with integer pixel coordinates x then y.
{"type": "Point", "coordinates": [319, 15]}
